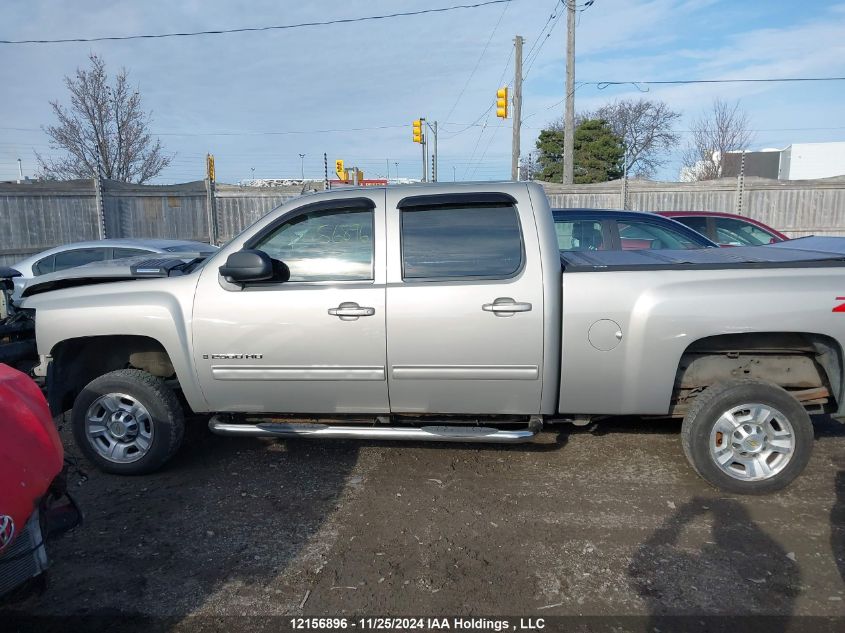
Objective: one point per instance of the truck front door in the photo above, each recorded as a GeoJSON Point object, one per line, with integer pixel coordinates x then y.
{"type": "Point", "coordinates": [315, 343]}
{"type": "Point", "coordinates": [464, 304]}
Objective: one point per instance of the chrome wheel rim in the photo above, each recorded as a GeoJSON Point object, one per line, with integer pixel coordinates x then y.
{"type": "Point", "coordinates": [752, 442]}
{"type": "Point", "coordinates": [119, 428]}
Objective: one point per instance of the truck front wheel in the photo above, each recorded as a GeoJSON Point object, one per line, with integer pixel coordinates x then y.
{"type": "Point", "coordinates": [747, 436]}
{"type": "Point", "coordinates": [127, 422]}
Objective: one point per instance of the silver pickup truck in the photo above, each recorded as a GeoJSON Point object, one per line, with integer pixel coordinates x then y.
{"type": "Point", "coordinates": [445, 313]}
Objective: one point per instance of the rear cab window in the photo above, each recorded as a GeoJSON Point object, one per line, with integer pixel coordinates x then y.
{"type": "Point", "coordinates": [461, 241]}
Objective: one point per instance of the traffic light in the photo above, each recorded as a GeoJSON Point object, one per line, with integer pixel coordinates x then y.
{"type": "Point", "coordinates": [418, 131]}
{"type": "Point", "coordinates": [209, 167]}
{"type": "Point", "coordinates": [502, 103]}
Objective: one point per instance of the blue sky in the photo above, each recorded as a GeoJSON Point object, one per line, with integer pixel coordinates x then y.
{"type": "Point", "coordinates": [257, 100]}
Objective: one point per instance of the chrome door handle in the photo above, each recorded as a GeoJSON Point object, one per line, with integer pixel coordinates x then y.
{"type": "Point", "coordinates": [505, 306]}
{"type": "Point", "coordinates": [350, 311]}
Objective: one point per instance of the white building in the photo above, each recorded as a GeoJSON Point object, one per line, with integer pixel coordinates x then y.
{"type": "Point", "coordinates": [803, 161]}
{"type": "Point", "coordinates": [799, 161]}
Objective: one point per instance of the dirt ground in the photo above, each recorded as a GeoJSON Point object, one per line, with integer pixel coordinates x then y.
{"type": "Point", "coordinates": [605, 520]}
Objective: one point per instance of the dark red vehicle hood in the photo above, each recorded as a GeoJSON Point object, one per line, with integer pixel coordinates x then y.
{"type": "Point", "coordinates": [31, 452]}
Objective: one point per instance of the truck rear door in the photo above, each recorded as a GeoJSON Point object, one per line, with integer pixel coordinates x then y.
{"type": "Point", "coordinates": [464, 304]}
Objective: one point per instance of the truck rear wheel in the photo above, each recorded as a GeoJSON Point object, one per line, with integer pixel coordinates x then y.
{"type": "Point", "coordinates": [747, 436]}
{"type": "Point", "coordinates": [128, 422]}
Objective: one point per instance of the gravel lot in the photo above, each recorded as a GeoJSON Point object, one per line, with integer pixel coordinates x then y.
{"type": "Point", "coordinates": [606, 520]}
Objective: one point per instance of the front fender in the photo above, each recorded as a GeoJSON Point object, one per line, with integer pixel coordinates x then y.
{"type": "Point", "coordinates": [159, 309]}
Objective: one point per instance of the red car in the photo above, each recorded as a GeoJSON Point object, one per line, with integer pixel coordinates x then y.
{"type": "Point", "coordinates": [727, 229]}
{"type": "Point", "coordinates": [33, 500]}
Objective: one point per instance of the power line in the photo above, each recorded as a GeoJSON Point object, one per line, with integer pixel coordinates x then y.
{"type": "Point", "coordinates": [552, 16]}
{"type": "Point", "coordinates": [489, 143]}
{"type": "Point", "coordinates": [478, 63]}
{"type": "Point", "coordinates": [601, 85]}
{"type": "Point", "coordinates": [259, 28]}
{"type": "Point", "coordinates": [556, 15]}
{"type": "Point", "coordinates": [489, 108]}
{"type": "Point", "coordinates": [281, 132]}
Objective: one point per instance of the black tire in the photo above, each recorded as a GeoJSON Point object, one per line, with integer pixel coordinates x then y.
{"type": "Point", "coordinates": [165, 413]}
{"type": "Point", "coordinates": [705, 411]}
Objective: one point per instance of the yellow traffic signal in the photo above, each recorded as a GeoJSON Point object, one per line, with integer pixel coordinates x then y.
{"type": "Point", "coordinates": [209, 167]}
{"type": "Point", "coordinates": [502, 103]}
{"type": "Point", "coordinates": [417, 131]}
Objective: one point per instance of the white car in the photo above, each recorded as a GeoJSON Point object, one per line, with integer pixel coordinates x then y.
{"type": "Point", "coordinates": [81, 253]}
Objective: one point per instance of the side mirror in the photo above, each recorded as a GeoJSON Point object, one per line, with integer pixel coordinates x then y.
{"type": "Point", "coordinates": [248, 265]}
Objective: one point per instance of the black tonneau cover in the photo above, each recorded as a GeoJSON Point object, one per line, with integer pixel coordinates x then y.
{"type": "Point", "coordinates": [806, 252]}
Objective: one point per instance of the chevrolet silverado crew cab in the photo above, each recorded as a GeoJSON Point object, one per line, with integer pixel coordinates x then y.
{"type": "Point", "coordinates": [445, 313]}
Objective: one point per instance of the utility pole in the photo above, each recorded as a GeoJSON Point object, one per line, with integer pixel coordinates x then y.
{"type": "Point", "coordinates": [569, 113]}
{"type": "Point", "coordinates": [325, 172]}
{"type": "Point", "coordinates": [517, 106]}
{"type": "Point", "coordinates": [302, 166]}
{"type": "Point", "coordinates": [425, 158]}
{"type": "Point", "coordinates": [434, 156]}
{"type": "Point", "coordinates": [20, 171]}
{"type": "Point", "coordinates": [424, 152]}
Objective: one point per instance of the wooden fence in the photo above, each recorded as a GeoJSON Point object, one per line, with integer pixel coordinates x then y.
{"type": "Point", "coordinates": [37, 216]}
{"type": "Point", "coordinates": [795, 207]}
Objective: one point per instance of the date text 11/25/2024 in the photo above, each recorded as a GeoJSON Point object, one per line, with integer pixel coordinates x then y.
{"type": "Point", "coordinates": [417, 624]}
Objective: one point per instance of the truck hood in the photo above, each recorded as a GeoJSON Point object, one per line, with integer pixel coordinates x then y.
{"type": "Point", "coordinates": [139, 267]}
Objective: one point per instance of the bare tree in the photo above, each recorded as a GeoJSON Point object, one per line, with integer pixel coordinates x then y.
{"type": "Point", "coordinates": [645, 126]}
{"type": "Point", "coordinates": [724, 128]}
{"type": "Point", "coordinates": [105, 121]}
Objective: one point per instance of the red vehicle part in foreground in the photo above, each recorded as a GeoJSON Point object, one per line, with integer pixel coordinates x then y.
{"type": "Point", "coordinates": [31, 454]}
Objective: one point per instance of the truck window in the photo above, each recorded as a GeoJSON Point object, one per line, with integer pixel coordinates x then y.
{"type": "Point", "coordinates": [472, 241]}
{"type": "Point", "coordinates": [324, 245]}
{"type": "Point", "coordinates": [579, 235]}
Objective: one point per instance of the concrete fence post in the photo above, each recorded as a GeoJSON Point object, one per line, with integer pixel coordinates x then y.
{"type": "Point", "coordinates": [99, 204]}
{"type": "Point", "coordinates": [740, 185]}
{"type": "Point", "coordinates": [211, 212]}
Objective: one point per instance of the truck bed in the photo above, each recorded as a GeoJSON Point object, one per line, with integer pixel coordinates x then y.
{"type": "Point", "coordinates": [624, 335]}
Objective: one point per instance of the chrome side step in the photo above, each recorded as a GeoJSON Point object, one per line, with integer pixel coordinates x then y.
{"type": "Point", "coordinates": [422, 433]}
